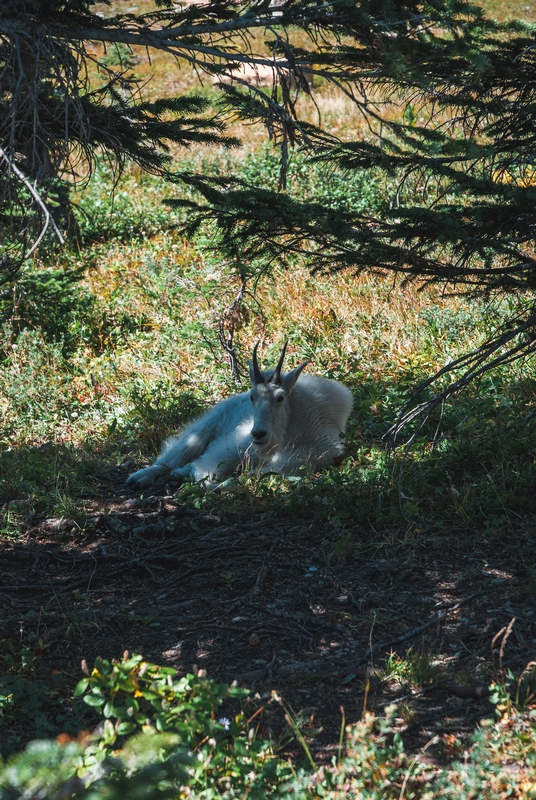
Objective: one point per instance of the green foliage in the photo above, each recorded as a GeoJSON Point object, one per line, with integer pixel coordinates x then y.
{"type": "Point", "coordinates": [360, 190]}
{"type": "Point", "coordinates": [134, 695]}
{"type": "Point", "coordinates": [31, 707]}
{"type": "Point", "coordinates": [44, 766]}
{"type": "Point", "coordinates": [414, 669]}
{"type": "Point", "coordinates": [107, 211]}
{"type": "Point", "coordinates": [143, 357]}
{"type": "Point", "coordinates": [158, 732]}
{"type": "Point", "coordinates": [49, 299]}
{"type": "Point", "coordinates": [160, 736]}
{"type": "Point", "coordinates": [32, 703]}
{"type": "Point", "coordinates": [57, 114]}
{"type": "Point", "coordinates": [48, 769]}
{"type": "Point", "coordinates": [378, 769]}
{"type": "Point", "coordinates": [456, 206]}
{"type": "Point", "coordinates": [107, 350]}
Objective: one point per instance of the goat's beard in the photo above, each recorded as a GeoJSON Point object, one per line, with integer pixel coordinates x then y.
{"type": "Point", "coordinates": [263, 447]}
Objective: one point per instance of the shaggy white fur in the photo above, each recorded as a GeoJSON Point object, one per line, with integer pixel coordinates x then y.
{"type": "Point", "coordinates": [285, 423]}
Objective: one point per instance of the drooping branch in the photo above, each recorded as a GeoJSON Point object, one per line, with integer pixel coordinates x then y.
{"type": "Point", "coordinates": [38, 199]}
{"type": "Point", "coordinates": [490, 355]}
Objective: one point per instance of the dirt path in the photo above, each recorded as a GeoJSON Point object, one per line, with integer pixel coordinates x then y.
{"type": "Point", "coordinates": [265, 602]}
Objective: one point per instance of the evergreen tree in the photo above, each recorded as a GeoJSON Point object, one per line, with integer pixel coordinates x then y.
{"type": "Point", "coordinates": [466, 132]}
{"type": "Point", "coordinates": [462, 152]}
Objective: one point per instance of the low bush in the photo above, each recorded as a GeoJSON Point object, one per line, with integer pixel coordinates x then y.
{"type": "Point", "coordinates": [166, 737]}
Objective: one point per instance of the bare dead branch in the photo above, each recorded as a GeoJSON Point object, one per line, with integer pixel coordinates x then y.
{"type": "Point", "coordinates": [476, 363]}
{"type": "Point", "coordinates": [48, 219]}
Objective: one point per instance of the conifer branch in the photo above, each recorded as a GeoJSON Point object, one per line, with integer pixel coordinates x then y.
{"type": "Point", "coordinates": [475, 364]}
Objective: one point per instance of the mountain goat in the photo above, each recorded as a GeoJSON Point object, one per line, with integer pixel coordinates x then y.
{"type": "Point", "coordinates": [285, 422]}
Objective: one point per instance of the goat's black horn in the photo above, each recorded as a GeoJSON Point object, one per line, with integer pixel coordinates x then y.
{"type": "Point", "coordinates": [256, 370]}
{"type": "Point", "coordinates": [276, 377]}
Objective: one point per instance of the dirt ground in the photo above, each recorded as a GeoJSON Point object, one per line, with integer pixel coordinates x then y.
{"type": "Point", "coordinates": [256, 599]}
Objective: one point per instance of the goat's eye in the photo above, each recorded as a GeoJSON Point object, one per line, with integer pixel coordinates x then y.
{"type": "Point", "coordinates": [280, 398]}
{"type": "Point", "coordinates": [252, 398]}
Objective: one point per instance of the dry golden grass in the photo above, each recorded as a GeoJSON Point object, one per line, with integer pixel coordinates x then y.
{"type": "Point", "coordinates": [160, 74]}
{"type": "Point", "coordinates": [341, 324]}
{"type": "Point", "coordinates": [372, 320]}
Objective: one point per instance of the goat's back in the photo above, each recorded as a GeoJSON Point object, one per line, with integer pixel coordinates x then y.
{"type": "Point", "coordinates": [319, 405]}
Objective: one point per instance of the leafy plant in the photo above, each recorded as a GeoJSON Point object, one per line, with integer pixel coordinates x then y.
{"type": "Point", "coordinates": [163, 736]}
{"type": "Point", "coordinates": [134, 695]}
{"type": "Point", "coordinates": [414, 669]}
{"type": "Point", "coordinates": [50, 299]}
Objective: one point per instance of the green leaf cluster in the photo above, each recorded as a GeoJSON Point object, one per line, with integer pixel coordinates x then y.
{"type": "Point", "coordinates": [135, 697]}
{"type": "Point", "coordinates": [159, 737]}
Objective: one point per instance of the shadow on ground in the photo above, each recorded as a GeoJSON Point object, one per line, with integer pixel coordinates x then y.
{"type": "Point", "coordinates": [269, 601]}
{"type": "Point", "coordinates": [408, 581]}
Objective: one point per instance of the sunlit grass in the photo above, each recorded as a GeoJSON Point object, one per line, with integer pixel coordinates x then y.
{"type": "Point", "coordinates": [97, 375]}
{"type": "Point", "coordinates": [134, 351]}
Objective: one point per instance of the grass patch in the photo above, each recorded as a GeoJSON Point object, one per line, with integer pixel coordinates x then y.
{"type": "Point", "coordinates": [131, 351]}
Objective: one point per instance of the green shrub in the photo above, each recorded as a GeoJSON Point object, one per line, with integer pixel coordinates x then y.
{"type": "Point", "coordinates": [48, 299]}
{"type": "Point", "coordinates": [132, 210]}
{"type": "Point", "coordinates": [161, 736]}
{"type": "Point", "coordinates": [358, 190]}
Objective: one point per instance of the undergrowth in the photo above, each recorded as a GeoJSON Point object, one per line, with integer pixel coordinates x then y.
{"type": "Point", "coordinates": [184, 737]}
{"type": "Point", "coordinates": [106, 350]}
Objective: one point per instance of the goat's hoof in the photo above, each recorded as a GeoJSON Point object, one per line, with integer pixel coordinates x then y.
{"type": "Point", "coordinates": [143, 477]}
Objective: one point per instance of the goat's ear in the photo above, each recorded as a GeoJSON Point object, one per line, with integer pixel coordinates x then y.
{"type": "Point", "coordinates": [288, 381]}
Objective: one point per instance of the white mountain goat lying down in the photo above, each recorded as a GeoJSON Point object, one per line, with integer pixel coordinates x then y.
{"type": "Point", "coordinates": [285, 422]}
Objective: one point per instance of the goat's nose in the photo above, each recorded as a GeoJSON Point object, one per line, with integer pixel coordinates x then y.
{"type": "Point", "coordinates": [258, 434]}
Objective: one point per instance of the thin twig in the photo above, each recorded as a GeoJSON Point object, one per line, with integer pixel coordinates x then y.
{"type": "Point", "coordinates": [227, 337]}
{"type": "Point", "coordinates": [48, 219]}
{"type": "Point", "coordinates": [261, 577]}
{"type": "Point", "coordinates": [420, 628]}
{"type": "Point", "coordinates": [477, 363]}
{"type": "Point", "coordinates": [321, 665]}
{"type": "Point", "coordinates": [432, 741]}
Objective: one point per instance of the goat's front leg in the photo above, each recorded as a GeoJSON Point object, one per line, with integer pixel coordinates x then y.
{"type": "Point", "coordinates": [145, 477]}
{"type": "Point", "coordinates": [182, 474]}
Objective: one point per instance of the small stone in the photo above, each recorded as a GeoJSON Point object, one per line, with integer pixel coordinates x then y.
{"type": "Point", "coordinates": [59, 523]}
{"type": "Point", "coordinates": [254, 640]}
